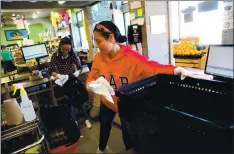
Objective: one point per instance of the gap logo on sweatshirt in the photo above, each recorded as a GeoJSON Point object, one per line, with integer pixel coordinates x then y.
{"type": "Point", "coordinates": [123, 80]}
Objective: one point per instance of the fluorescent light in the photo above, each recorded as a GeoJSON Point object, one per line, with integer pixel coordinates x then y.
{"type": "Point", "coordinates": [61, 2]}
{"type": "Point", "coordinates": [34, 15]}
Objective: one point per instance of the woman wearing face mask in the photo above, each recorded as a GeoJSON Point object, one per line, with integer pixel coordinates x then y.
{"type": "Point", "coordinates": [120, 66]}
{"type": "Point", "coordinates": [64, 63]}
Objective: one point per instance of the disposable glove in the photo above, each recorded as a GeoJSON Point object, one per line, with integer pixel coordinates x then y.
{"type": "Point", "coordinates": [77, 73]}
{"type": "Point", "coordinates": [197, 75]}
{"type": "Point", "coordinates": [62, 79]}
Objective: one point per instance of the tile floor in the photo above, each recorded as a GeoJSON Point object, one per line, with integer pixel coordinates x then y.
{"type": "Point", "coordinates": [90, 137]}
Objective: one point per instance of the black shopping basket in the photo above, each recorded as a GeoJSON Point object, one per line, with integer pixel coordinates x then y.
{"type": "Point", "coordinates": [169, 115]}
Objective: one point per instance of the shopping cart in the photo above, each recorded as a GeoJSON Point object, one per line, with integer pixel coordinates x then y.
{"type": "Point", "coordinates": [23, 138]}
{"type": "Point", "coordinates": [168, 115]}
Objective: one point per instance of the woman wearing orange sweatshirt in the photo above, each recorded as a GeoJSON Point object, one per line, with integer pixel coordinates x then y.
{"type": "Point", "coordinates": [120, 66]}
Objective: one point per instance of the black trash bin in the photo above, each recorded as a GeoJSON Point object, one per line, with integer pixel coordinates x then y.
{"type": "Point", "coordinates": [77, 97]}
{"type": "Point", "coordinates": [62, 133]}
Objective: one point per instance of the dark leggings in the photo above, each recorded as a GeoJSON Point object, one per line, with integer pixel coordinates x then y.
{"type": "Point", "coordinates": [106, 117]}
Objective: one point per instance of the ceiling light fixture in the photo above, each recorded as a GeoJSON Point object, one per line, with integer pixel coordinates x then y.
{"type": "Point", "coordinates": [34, 15]}
{"type": "Point", "coordinates": [61, 2]}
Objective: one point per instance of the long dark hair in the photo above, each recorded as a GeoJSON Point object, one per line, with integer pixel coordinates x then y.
{"type": "Point", "coordinates": [105, 28]}
{"type": "Point", "coordinates": [71, 53]}
{"type": "Point", "coordinates": [65, 41]}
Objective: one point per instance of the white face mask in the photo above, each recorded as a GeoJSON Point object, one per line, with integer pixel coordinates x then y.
{"type": "Point", "coordinates": [66, 56]}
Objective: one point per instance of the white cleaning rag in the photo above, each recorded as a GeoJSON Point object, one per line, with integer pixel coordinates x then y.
{"type": "Point", "coordinates": [62, 80]}
{"type": "Point", "coordinates": [102, 87]}
{"type": "Point", "coordinates": [106, 84]}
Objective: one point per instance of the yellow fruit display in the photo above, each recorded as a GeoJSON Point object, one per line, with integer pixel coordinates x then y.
{"type": "Point", "coordinates": [187, 49]}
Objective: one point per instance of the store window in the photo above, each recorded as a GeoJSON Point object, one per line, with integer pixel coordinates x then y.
{"type": "Point", "coordinates": [80, 15]}
{"type": "Point", "coordinates": [126, 22]}
{"type": "Point", "coordinates": [197, 24]}
{"type": "Point", "coordinates": [100, 11]}
{"type": "Point", "coordinates": [119, 20]}
{"type": "Point", "coordinates": [84, 41]}
{"type": "Point", "coordinates": [80, 19]}
{"type": "Point", "coordinates": [124, 2]}
{"type": "Point", "coordinates": [175, 19]}
{"type": "Point", "coordinates": [203, 20]}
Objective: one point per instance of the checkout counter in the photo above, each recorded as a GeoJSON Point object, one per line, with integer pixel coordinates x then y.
{"type": "Point", "coordinates": [40, 86]}
{"type": "Point", "coordinates": [35, 87]}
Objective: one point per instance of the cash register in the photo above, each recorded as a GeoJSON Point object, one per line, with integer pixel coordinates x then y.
{"type": "Point", "coordinates": [35, 52]}
{"type": "Point", "coordinates": [220, 62]}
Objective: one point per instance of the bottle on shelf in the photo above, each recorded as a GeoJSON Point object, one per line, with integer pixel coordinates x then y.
{"type": "Point", "coordinates": [26, 104]}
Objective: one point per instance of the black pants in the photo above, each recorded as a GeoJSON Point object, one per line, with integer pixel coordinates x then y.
{"type": "Point", "coordinates": [106, 117]}
{"type": "Point", "coordinates": [8, 66]}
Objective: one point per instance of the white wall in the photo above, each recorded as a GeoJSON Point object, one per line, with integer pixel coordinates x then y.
{"type": "Point", "coordinates": [158, 44]}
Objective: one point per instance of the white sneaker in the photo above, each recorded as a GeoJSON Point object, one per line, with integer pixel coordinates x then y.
{"type": "Point", "coordinates": [88, 124]}
{"type": "Point", "coordinates": [77, 123]}
{"type": "Point", "coordinates": [131, 151]}
{"type": "Point", "coordinates": [99, 151]}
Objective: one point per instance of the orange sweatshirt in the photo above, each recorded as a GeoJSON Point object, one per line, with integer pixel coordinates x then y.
{"type": "Point", "coordinates": [128, 66]}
